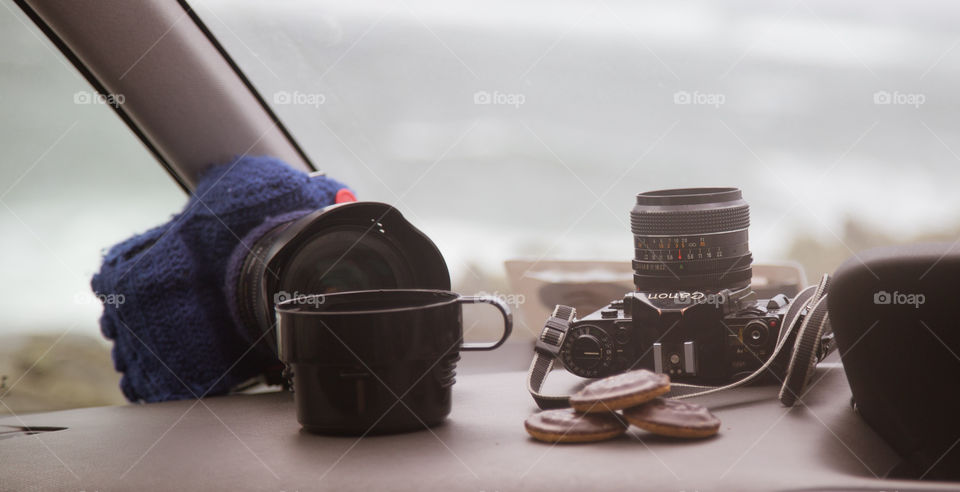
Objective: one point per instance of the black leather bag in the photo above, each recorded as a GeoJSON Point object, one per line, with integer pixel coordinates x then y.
{"type": "Point", "coordinates": [895, 312]}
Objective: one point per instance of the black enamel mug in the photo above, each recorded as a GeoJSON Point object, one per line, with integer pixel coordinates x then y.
{"type": "Point", "coordinates": [375, 361]}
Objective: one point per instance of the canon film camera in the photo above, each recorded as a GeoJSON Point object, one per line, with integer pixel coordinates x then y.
{"type": "Point", "coordinates": [693, 315]}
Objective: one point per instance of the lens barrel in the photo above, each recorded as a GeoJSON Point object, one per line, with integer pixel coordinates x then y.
{"type": "Point", "coordinates": [691, 239]}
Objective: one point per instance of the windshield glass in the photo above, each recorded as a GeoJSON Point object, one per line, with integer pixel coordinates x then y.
{"type": "Point", "coordinates": [502, 130]}
{"type": "Point", "coordinates": [509, 129]}
{"type": "Point", "coordinates": [74, 180]}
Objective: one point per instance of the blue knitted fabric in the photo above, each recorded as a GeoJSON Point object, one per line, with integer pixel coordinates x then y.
{"type": "Point", "coordinates": [174, 334]}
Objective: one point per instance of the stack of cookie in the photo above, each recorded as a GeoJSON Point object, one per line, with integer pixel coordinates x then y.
{"type": "Point", "coordinates": [605, 408]}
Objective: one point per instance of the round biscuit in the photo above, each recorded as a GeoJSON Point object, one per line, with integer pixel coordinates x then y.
{"type": "Point", "coordinates": [673, 418]}
{"type": "Point", "coordinates": [620, 391]}
{"type": "Point", "coordinates": [567, 425]}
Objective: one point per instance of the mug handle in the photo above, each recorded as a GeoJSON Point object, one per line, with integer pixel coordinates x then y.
{"type": "Point", "coordinates": [507, 321]}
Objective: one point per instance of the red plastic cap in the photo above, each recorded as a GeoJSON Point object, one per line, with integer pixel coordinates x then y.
{"type": "Point", "coordinates": [344, 195]}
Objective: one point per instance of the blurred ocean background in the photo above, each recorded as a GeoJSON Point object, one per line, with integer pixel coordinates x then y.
{"type": "Point", "coordinates": [516, 129]}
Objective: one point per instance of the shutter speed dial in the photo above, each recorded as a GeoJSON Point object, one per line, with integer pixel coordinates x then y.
{"type": "Point", "coordinates": [587, 351]}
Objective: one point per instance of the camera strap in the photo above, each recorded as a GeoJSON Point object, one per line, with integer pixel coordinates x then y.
{"type": "Point", "coordinates": [807, 317]}
{"type": "Point", "coordinates": [545, 354]}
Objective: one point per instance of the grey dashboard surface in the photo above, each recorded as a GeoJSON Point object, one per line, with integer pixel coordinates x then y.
{"type": "Point", "coordinates": [253, 442]}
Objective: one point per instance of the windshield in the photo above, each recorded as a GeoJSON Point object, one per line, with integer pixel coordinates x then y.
{"type": "Point", "coordinates": [502, 130]}
{"type": "Point", "coordinates": [508, 129]}
{"type": "Point", "coordinates": [74, 180]}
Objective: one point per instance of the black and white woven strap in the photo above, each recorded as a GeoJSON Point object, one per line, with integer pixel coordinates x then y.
{"type": "Point", "coordinates": [548, 346]}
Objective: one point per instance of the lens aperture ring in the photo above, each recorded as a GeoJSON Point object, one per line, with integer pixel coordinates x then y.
{"type": "Point", "coordinates": [684, 254]}
{"type": "Point", "coordinates": [673, 256]}
{"type": "Point", "coordinates": [712, 281]}
{"type": "Point", "coordinates": [692, 267]}
{"type": "Point", "coordinates": [690, 241]}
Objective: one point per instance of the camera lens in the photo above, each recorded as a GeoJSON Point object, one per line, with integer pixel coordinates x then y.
{"type": "Point", "coordinates": [691, 239]}
{"type": "Point", "coordinates": [342, 259]}
{"type": "Point", "coordinates": [354, 246]}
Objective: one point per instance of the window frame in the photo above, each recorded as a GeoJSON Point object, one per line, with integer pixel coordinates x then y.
{"type": "Point", "coordinates": [216, 91]}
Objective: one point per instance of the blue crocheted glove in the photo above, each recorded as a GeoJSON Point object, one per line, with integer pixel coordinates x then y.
{"type": "Point", "coordinates": [174, 334]}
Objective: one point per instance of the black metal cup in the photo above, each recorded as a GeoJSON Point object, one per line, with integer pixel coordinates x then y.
{"type": "Point", "coordinates": [375, 361]}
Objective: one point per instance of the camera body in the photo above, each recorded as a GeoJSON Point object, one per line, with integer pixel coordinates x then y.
{"type": "Point", "coordinates": [694, 337]}
{"type": "Point", "coordinates": [694, 315]}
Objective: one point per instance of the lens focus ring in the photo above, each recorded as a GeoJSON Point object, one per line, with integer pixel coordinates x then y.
{"type": "Point", "coordinates": [690, 222]}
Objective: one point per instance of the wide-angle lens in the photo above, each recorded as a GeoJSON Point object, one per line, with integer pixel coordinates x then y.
{"type": "Point", "coordinates": [352, 246]}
